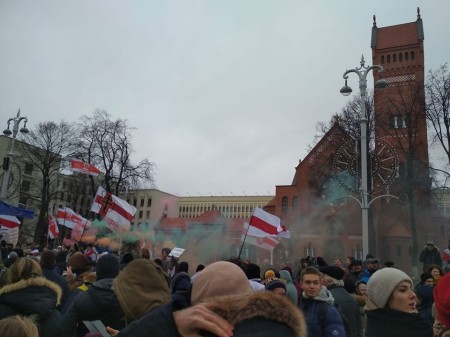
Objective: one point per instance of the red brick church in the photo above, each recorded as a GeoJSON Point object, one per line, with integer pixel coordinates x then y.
{"type": "Point", "coordinates": [317, 208]}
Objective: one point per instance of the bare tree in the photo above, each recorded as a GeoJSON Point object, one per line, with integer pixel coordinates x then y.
{"type": "Point", "coordinates": [404, 122]}
{"type": "Point", "coordinates": [438, 111]}
{"type": "Point", "coordinates": [106, 143]}
{"type": "Point", "coordinates": [349, 119]}
{"type": "Point", "coordinates": [45, 148]}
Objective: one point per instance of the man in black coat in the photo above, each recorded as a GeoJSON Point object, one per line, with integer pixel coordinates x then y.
{"type": "Point", "coordinates": [99, 302]}
{"type": "Point", "coordinates": [48, 262]}
{"type": "Point", "coordinates": [346, 303]}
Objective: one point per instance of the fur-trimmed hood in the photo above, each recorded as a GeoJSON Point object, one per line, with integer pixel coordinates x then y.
{"type": "Point", "coordinates": [239, 308]}
{"type": "Point", "coordinates": [35, 281]}
{"type": "Point", "coordinates": [34, 296]}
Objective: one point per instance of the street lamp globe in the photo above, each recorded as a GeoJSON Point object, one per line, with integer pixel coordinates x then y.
{"type": "Point", "coordinates": [7, 132]}
{"type": "Point", "coordinates": [24, 130]}
{"type": "Point", "coordinates": [381, 84]}
{"type": "Point", "coordinates": [346, 90]}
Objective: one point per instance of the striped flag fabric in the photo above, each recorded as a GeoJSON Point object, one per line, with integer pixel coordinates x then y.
{"type": "Point", "coordinates": [264, 224]}
{"type": "Point", "coordinates": [117, 212]}
{"type": "Point", "coordinates": [9, 221]}
{"type": "Point", "coordinates": [85, 168]}
{"type": "Point", "coordinates": [53, 229]}
{"type": "Point", "coordinates": [264, 242]}
{"type": "Point", "coordinates": [67, 217]}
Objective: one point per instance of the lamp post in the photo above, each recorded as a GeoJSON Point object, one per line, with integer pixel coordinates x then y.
{"type": "Point", "coordinates": [8, 160]}
{"type": "Point", "coordinates": [362, 72]}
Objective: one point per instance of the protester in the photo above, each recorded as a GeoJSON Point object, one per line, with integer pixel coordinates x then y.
{"type": "Point", "coordinates": [275, 285]}
{"type": "Point", "coordinates": [18, 326]}
{"type": "Point", "coordinates": [316, 302]}
{"type": "Point", "coordinates": [371, 268]}
{"type": "Point", "coordinates": [99, 302]}
{"type": "Point", "coordinates": [48, 262]}
{"type": "Point", "coordinates": [347, 305]}
{"type": "Point", "coordinates": [291, 290]}
{"type": "Point", "coordinates": [261, 314]}
{"type": "Point", "coordinates": [78, 266]}
{"type": "Point", "coordinates": [180, 286]}
{"type": "Point", "coordinates": [253, 273]}
{"type": "Point", "coordinates": [424, 292]}
{"type": "Point", "coordinates": [360, 296]}
{"type": "Point", "coordinates": [141, 287]}
{"type": "Point", "coordinates": [27, 292]}
{"type": "Point", "coordinates": [430, 255]}
{"type": "Point", "coordinates": [436, 271]}
{"type": "Point", "coordinates": [391, 306]}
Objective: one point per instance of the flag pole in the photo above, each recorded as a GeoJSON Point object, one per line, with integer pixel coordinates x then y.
{"type": "Point", "coordinates": [245, 237]}
{"type": "Point", "coordinates": [82, 233]}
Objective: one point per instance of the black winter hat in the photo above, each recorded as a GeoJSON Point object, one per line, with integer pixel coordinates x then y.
{"type": "Point", "coordinates": [333, 271]}
{"type": "Point", "coordinates": [108, 266]}
{"type": "Point", "coordinates": [425, 276]}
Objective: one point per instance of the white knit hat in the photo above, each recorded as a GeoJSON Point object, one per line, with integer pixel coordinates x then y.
{"type": "Point", "coordinates": [382, 283]}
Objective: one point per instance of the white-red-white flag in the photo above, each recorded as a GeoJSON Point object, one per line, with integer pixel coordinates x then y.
{"type": "Point", "coordinates": [117, 212]}
{"type": "Point", "coordinates": [85, 168]}
{"type": "Point", "coordinates": [264, 224]}
{"type": "Point", "coordinates": [53, 229]}
{"type": "Point", "coordinates": [9, 221]}
{"type": "Point", "coordinates": [265, 242]}
{"type": "Point", "coordinates": [68, 217]}
{"type": "Point", "coordinates": [12, 233]}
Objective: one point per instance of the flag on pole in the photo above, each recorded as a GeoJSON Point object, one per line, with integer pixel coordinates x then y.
{"type": "Point", "coordinates": [9, 221]}
{"type": "Point", "coordinates": [264, 224]}
{"type": "Point", "coordinates": [117, 212]}
{"type": "Point", "coordinates": [68, 217]}
{"type": "Point", "coordinates": [266, 242]}
{"type": "Point", "coordinates": [85, 168]}
{"type": "Point", "coordinates": [13, 234]}
{"type": "Point", "coordinates": [53, 230]}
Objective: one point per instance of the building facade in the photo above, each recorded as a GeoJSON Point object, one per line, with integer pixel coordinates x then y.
{"type": "Point", "coordinates": [229, 206]}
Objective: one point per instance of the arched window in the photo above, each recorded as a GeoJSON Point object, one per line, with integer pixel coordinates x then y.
{"type": "Point", "coordinates": [406, 56]}
{"type": "Point", "coordinates": [389, 59]}
{"type": "Point", "coordinates": [294, 202]}
{"type": "Point", "coordinates": [382, 59]}
{"type": "Point", "coordinates": [400, 57]}
{"type": "Point", "coordinates": [284, 204]}
{"type": "Point", "coordinates": [413, 56]}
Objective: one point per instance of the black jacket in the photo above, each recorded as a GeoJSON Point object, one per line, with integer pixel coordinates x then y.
{"type": "Point", "coordinates": [59, 280]}
{"type": "Point", "coordinates": [34, 296]}
{"type": "Point", "coordinates": [394, 323]}
{"type": "Point", "coordinates": [99, 302]}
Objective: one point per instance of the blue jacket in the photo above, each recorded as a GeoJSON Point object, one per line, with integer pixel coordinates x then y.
{"type": "Point", "coordinates": [333, 326]}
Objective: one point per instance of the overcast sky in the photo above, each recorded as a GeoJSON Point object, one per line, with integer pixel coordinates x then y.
{"type": "Point", "coordinates": [225, 94]}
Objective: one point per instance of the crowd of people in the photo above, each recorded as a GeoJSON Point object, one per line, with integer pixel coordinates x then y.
{"type": "Point", "coordinates": [93, 291]}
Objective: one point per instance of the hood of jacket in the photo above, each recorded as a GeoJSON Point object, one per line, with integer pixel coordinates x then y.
{"type": "Point", "coordinates": [140, 287]}
{"type": "Point", "coordinates": [238, 308]}
{"type": "Point", "coordinates": [35, 295]}
{"type": "Point", "coordinates": [285, 275]}
{"type": "Point", "coordinates": [325, 296]}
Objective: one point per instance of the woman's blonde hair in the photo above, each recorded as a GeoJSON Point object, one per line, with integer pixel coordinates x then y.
{"type": "Point", "coordinates": [18, 326]}
{"type": "Point", "coordinates": [23, 269]}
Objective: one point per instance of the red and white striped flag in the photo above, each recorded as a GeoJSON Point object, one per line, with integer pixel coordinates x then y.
{"type": "Point", "coordinates": [265, 242]}
{"type": "Point", "coordinates": [85, 168]}
{"type": "Point", "coordinates": [53, 230]}
{"type": "Point", "coordinates": [117, 212]}
{"type": "Point", "coordinates": [264, 224]}
{"type": "Point", "coordinates": [68, 217]}
{"type": "Point", "coordinates": [9, 221]}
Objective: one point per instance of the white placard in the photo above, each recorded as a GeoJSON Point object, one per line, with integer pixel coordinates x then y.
{"type": "Point", "coordinates": [176, 252]}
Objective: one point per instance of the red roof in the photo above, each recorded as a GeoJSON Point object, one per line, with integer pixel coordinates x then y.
{"type": "Point", "coordinates": [399, 35]}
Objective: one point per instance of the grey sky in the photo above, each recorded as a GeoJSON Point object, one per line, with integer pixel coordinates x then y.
{"type": "Point", "coordinates": [225, 95]}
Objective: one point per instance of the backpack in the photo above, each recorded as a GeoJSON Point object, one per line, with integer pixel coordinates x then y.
{"type": "Point", "coordinates": [323, 311]}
